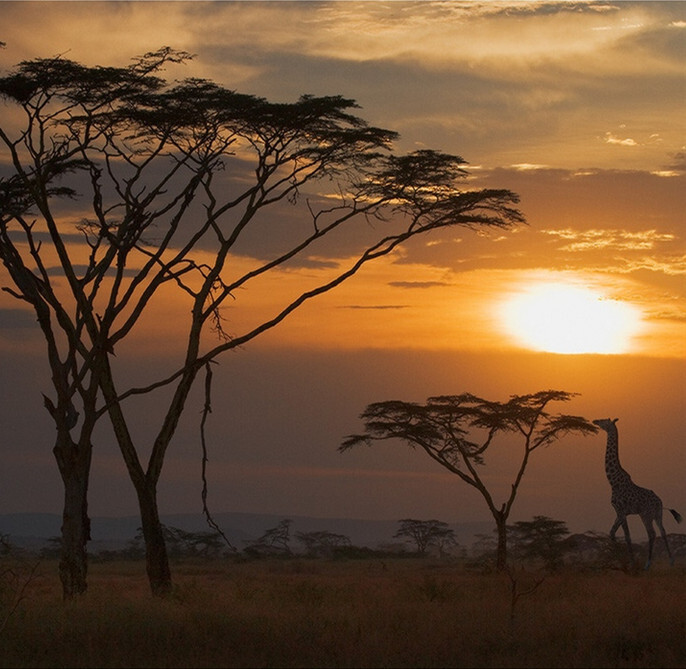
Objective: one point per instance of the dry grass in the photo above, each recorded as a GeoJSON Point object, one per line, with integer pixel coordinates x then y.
{"type": "Point", "coordinates": [298, 613]}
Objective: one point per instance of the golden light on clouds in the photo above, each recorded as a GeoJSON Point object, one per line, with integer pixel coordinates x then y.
{"type": "Point", "coordinates": [564, 318]}
{"type": "Point", "coordinates": [597, 239]}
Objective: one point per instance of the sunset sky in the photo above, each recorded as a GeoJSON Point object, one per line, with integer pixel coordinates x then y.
{"type": "Point", "coordinates": [579, 107]}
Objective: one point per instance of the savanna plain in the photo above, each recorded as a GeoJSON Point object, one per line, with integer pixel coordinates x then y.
{"type": "Point", "coordinates": [416, 612]}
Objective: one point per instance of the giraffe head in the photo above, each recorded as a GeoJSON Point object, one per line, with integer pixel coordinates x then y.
{"type": "Point", "coordinates": [605, 423]}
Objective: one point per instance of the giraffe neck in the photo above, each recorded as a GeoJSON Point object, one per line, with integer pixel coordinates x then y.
{"type": "Point", "coordinates": [613, 470]}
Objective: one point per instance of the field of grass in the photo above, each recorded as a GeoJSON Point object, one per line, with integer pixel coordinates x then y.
{"type": "Point", "coordinates": [354, 613]}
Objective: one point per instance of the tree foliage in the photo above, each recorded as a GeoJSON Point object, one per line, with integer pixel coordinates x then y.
{"type": "Point", "coordinates": [322, 543]}
{"type": "Point", "coordinates": [426, 533]}
{"type": "Point", "coordinates": [542, 539]}
{"type": "Point", "coordinates": [274, 542]}
{"type": "Point", "coordinates": [458, 430]}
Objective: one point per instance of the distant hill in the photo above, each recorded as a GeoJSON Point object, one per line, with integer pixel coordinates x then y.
{"type": "Point", "coordinates": [35, 529]}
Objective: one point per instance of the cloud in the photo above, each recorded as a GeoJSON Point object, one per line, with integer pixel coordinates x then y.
{"type": "Point", "coordinates": [497, 82]}
{"type": "Point", "coordinates": [678, 163]}
{"type": "Point", "coordinates": [17, 319]}
{"type": "Point", "coordinates": [612, 139]}
{"type": "Point", "coordinates": [622, 240]}
{"type": "Point", "coordinates": [528, 167]}
{"type": "Point", "coordinates": [652, 140]}
{"type": "Point", "coordinates": [670, 265]}
{"type": "Point", "coordinates": [673, 315]}
{"type": "Point", "coordinates": [417, 284]}
{"type": "Point", "coordinates": [374, 307]}
{"type": "Point", "coordinates": [80, 271]}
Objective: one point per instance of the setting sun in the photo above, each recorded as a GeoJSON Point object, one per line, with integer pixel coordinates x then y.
{"type": "Point", "coordinates": [562, 318]}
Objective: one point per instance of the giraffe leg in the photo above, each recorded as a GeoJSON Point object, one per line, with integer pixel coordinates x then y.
{"type": "Point", "coordinates": [627, 535]}
{"type": "Point", "coordinates": [664, 538]}
{"type": "Point", "coordinates": [615, 527]}
{"type": "Point", "coordinates": [651, 538]}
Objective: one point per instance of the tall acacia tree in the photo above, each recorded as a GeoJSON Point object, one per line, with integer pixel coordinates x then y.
{"type": "Point", "coordinates": [117, 185]}
{"type": "Point", "coordinates": [457, 430]}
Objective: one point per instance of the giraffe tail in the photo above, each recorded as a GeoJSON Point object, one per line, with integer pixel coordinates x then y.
{"type": "Point", "coordinates": [677, 515]}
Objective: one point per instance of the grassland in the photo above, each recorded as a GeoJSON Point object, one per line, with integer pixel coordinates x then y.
{"type": "Point", "coordinates": [354, 613]}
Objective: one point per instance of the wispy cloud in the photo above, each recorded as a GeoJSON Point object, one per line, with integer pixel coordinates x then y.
{"type": "Point", "coordinates": [374, 307]}
{"type": "Point", "coordinates": [626, 141]}
{"type": "Point", "coordinates": [417, 284]}
{"type": "Point", "coordinates": [651, 140]}
{"type": "Point", "coordinates": [678, 164]}
{"type": "Point", "coordinates": [621, 240]}
{"type": "Point", "coordinates": [669, 265]}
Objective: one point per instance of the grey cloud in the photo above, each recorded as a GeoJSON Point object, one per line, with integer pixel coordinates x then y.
{"type": "Point", "coordinates": [676, 315]}
{"type": "Point", "coordinates": [80, 270]}
{"type": "Point", "coordinates": [44, 236]}
{"type": "Point", "coordinates": [547, 8]}
{"type": "Point", "coordinates": [663, 39]}
{"type": "Point", "coordinates": [17, 319]}
{"type": "Point", "coordinates": [678, 162]}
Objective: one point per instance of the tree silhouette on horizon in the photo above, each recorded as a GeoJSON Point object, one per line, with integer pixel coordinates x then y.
{"type": "Point", "coordinates": [456, 431]}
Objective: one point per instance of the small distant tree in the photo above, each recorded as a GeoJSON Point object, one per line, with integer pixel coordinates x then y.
{"type": "Point", "coordinates": [5, 544]}
{"type": "Point", "coordinates": [541, 539]}
{"type": "Point", "coordinates": [678, 544]}
{"type": "Point", "coordinates": [321, 543]}
{"type": "Point", "coordinates": [182, 543]}
{"type": "Point", "coordinates": [204, 544]}
{"type": "Point", "coordinates": [274, 542]}
{"type": "Point", "coordinates": [135, 548]}
{"type": "Point", "coordinates": [484, 551]}
{"type": "Point", "coordinates": [52, 549]}
{"type": "Point", "coordinates": [457, 430]}
{"type": "Point", "coordinates": [426, 533]}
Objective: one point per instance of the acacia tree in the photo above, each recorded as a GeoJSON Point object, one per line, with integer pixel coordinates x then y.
{"type": "Point", "coordinates": [425, 533]}
{"type": "Point", "coordinates": [117, 185]}
{"type": "Point", "coordinates": [274, 541]}
{"type": "Point", "coordinates": [322, 543]}
{"type": "Point", "coordinates": [457, 430]}
{"type": "Point", "coordinates": [541, 539]}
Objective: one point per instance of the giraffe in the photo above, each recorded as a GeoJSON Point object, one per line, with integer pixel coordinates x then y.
{"type": "Point", "coordinates": [628, 498]}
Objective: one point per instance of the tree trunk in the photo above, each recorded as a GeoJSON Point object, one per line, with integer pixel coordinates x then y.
{"type": "Point", "coordinates": [156, 557]}
{"type": "Point", "coordinates": [501, 553]}
{"type": "Point", "coordinates": [74, 464]}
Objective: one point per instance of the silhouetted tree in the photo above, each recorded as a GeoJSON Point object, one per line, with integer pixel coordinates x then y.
{"type": "Point", "coordinates": [53, 549]}
{"type": "Point", "coordinates": [457, 430]}
{"type": "Point", "coordinates": [541, 539]}
{"type": "Point", "coordinates": [321, 543]}
{"type": "Point", "coordinates": [169, 183]}
{"type": "Point", "coordinates": [587, 549]}
{"type": "Point", "coordinates": [425, 533]}
{"type": "Point", "coordinates": [274, 542]}
{"type": "Point", "coordinates": [197, 544]}
{"type": "Point", "coordinates": [135, 548]}
{"type": "Point", "coordinates": [6, 545]}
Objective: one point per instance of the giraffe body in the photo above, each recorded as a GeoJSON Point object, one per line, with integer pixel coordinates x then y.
{"type": "Point", "coordinates": [630, 499]}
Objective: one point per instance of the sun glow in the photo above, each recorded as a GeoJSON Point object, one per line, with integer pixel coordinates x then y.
{"type": "Point", "coordinates": [564, 318]}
